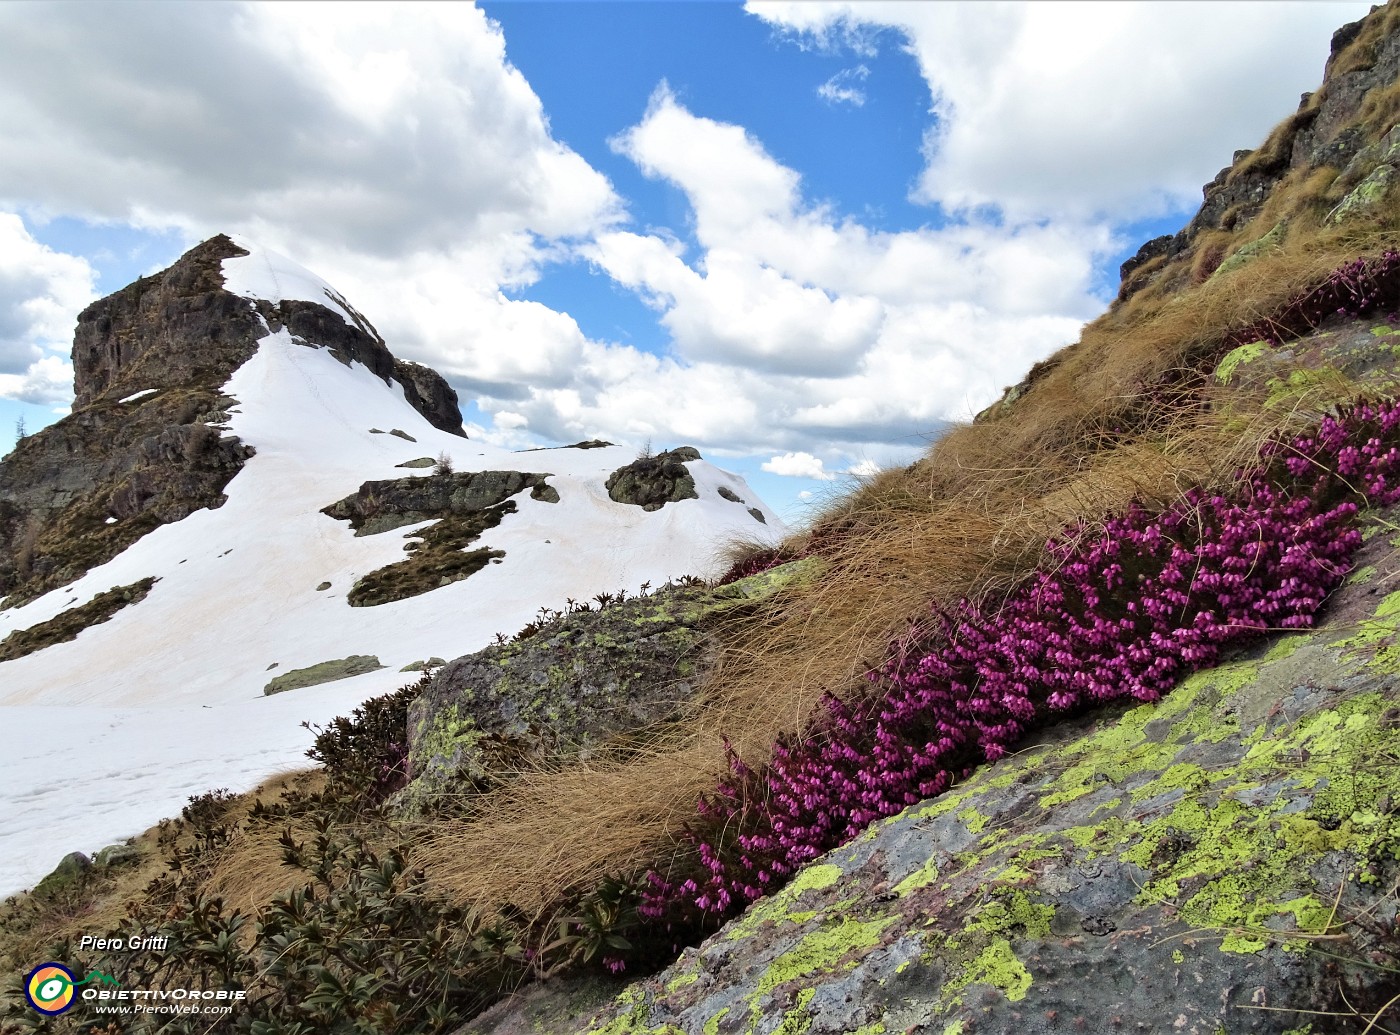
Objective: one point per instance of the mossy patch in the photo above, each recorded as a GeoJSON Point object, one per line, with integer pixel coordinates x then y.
{"type": "Point", "coordinates": [821, 951]}
{"type": "Point", "coordinates": [419, 666]}
{"type": "Point", "coordinates": [1247, 253]}
{"type": "Point", "coordinates": [68, 624]}
{"type": "Point", "coordinates": [1367, 195]}
{"type": "Point", "coordinates": [324, 672]}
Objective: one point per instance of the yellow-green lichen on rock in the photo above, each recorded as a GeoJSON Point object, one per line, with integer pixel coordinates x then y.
{"type": "Point", "coordinates": [1237, 357]}
{"type": "Point", "coordinates": [581, 685]}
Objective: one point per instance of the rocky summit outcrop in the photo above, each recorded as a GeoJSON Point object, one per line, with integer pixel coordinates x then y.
{"type": "Point", "coordinates": [177, 327]}
{"type": "Point", "coordinates": [651, 482]}
{"type": "Point", "coordinates": [1341, 142]}
{"type": "Point", "coordinates": [587, 681]}
{"type": "Point", "coordinates": [147, 442]}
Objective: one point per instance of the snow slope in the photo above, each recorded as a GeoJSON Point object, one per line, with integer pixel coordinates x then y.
{"type": "Point", "coordinates": [114, 730]}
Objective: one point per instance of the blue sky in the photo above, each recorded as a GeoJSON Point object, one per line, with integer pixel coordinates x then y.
{"type": "Point", "coordinates": [799, 236]}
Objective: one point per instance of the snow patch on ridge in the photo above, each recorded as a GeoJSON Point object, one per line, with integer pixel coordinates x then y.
{"type": "Point", "coordinates": [270, 276]}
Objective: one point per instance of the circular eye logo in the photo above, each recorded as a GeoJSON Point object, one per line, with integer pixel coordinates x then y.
{"type": "Point", "coordinates": [49, 989]}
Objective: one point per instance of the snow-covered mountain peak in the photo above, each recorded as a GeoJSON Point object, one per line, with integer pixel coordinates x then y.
{"type": "Point", "coordinates": [169, 549]}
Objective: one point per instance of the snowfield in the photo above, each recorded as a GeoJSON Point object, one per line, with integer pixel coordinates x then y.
{"type": "Point", "coordinates": [103, 736]}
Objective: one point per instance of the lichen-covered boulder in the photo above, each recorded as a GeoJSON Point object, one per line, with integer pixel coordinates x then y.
{"type": "Point", "coordinates": [578, 684]}
{"type": "Point", "coordinates": [651, 482]}
{"type": "Point", "coordinates": [1220, 861]}
{"type": "Point", "coordinates": [1319, 368]}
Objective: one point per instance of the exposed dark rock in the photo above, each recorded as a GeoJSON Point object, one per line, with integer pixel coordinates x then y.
{"type": "Point", "coordinates": [399, 433]}
{"type": "Point", "coordinates": [379, 506]}
{"type": "Point", "coordinates": [177, 327]}
{"type": "Point", "coordinates": [430, 394]}
{"type": "Point", "coordinates": [1325, 132]}
{"type": "Point", "coordinates": [437, 559]}
{"type": "Point", "coordinates": [1153, 248]}
{"type": "Point", "coordinates": [580, 685]}
{"type": "Point", "coordinates": [419, 464]}
{"type": "Point", "coordinates": [77, 493]}
{"type": "Point", "coordinates": [320, 326]}
{"type": "Point", "coordinates": [68, 874]}
{"type": "Point", "coordinates": [592, 443]}
{"type": "Point", "coordinates": [651, 482]}
{"type": "Point", "coordinates": [464, 504]}
{"type": "Point", "coordinates": [68, 624]}
{"type": "Point", "coordinates": [323, 672]}
{"type": "Point", "coordinates": [727, 493]}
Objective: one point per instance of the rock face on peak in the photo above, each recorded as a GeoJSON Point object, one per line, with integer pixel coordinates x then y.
{"type": "Point", "coordinates": [144, 445]}
{"type": "Point", "coordinates": [1341, 145]}
{"type": "Point", "coordinates": [178, 327]}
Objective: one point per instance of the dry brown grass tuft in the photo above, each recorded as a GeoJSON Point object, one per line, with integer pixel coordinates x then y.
{"type": "Point", "coordinates": [248, 872]}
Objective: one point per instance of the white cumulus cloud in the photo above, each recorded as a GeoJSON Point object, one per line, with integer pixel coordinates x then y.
{"type": "Point", "coordinates": [1080, 108]}
{"type": "Point", "coordinates": [41, 292]}
{"type": "Point", "coordinates": [798, 465]}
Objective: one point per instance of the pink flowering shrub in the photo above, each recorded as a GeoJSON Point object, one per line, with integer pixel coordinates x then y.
{"type": "Point", "coordinates": [1121, 612]}
{"type": "Point", "coordinates": [1361, 286]}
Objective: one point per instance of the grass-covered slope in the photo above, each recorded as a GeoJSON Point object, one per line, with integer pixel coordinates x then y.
{"type": "Point", "coordinates": [1225, 859]}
